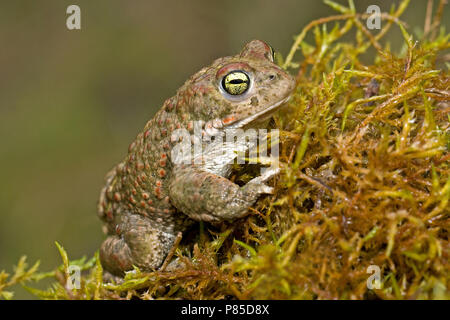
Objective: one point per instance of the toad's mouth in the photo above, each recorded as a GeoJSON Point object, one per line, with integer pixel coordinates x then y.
{"type": "Point", "coordinates": [259, 115]}
{"type": "Point", "coordinates": [216, 126]}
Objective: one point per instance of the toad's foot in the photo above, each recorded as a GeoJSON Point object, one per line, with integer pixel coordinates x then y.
{"type": "Point", "coordinates": [258, 182]}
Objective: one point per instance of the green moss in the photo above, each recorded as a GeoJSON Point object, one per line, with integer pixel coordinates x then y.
{"type": "Point", "coordinates": [365, 182]}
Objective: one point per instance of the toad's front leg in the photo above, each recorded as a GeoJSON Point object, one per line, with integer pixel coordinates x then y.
{"type": "Point", "coordinates": [205, 196]}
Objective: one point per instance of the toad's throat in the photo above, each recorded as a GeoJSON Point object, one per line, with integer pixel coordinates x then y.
{"type": "Point", "coordinates": [243, 122]}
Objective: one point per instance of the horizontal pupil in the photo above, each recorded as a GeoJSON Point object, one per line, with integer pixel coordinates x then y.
{"type": "Point", "coordinates": [235, 83]}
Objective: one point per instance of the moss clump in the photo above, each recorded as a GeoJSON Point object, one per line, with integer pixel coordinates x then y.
{"type": "Point", "coordinates": [365, 185]}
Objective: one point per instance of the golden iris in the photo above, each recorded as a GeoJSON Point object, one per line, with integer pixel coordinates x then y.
{"type": "Point", "coordinates": [236, 82]}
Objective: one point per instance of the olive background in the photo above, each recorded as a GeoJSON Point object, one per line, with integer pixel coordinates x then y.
{"type": "Point", "coordinates": [72, 101]}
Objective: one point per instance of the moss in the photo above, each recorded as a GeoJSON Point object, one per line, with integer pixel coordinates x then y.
{"type": "Point", "coordinates": [365, 182]}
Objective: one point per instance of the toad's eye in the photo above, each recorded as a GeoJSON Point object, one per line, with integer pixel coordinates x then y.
{"type": "Point", "coordinates": [236, 82]}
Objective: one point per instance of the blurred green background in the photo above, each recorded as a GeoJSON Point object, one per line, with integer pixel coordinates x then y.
{"type": "Point", "coordinates": [72, 101]}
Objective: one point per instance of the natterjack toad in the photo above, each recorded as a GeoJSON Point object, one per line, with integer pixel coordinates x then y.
{"type": "Point", "coordinates": [154, 193]}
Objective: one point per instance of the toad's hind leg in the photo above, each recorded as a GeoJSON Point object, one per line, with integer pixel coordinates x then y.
{"type": "Point", "coordinates": [136, 243]}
